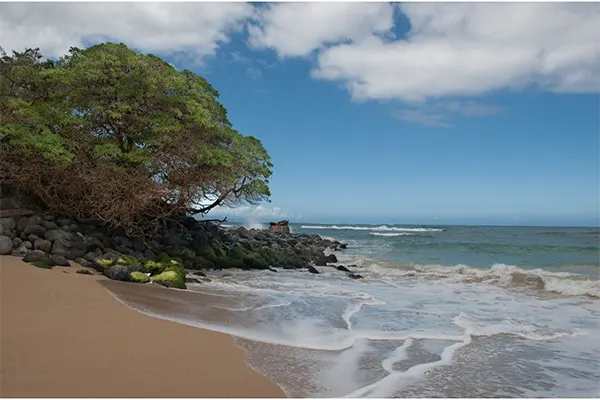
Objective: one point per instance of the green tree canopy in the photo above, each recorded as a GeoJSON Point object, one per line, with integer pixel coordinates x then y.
{"type": "Point", "coordinates": [112, 134]}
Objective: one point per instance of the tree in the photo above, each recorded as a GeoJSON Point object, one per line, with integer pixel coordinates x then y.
{"type": "Point", "coordinates": [111, 134]}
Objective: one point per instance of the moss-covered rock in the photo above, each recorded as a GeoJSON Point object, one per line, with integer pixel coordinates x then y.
{"type": "Point", "coordinates": [84, 272]}
{"type": "Point", "coordinates": [139, 277]}
{"type": "Point", "coordinates": [155, 267]}
{"type": "Point", "coordinates": [45, 263]}
{"type": "Point", "coordinates": [173, 276]}
{"type": "Point", "coordinates": [202, 263]}
{"type": "Point", "coordinates": [128, 261]}
{"type": "Point", "coordinates": [255, 261]}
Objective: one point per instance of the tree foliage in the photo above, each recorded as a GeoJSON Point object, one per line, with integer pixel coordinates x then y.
{"type": "Point", "coordinates": [111, 134]}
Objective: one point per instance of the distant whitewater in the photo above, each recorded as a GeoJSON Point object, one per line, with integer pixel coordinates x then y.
{"type": "Point", "coordinates": [441, 312]}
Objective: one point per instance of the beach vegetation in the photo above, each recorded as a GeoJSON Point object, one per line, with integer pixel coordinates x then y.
{"type": "Point", "coordinates": [122, 137]}
{"type": "Point", "coordinates": [128, 261]}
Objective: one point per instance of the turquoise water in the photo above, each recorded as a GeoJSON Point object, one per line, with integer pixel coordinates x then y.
{"type": "Point", "coordinates": [476, 246]}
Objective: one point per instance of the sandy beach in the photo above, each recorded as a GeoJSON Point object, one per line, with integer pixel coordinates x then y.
{"type": "Point", "coordinates": [64, 335]}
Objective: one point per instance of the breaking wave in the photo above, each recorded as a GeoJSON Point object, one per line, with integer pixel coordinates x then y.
{"type": "Point", "coordinates": [391, 234]}
{"type": "Point", "coordinates": [382, 228]}
{"type": "Point", "coordinates": [565, 283]}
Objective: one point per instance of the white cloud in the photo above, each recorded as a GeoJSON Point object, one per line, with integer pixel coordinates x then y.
{"type": "Point", "coordinates": [162, 28]}
{"type": "Point", "coordinates": [466, 49]}
{"type": "Point", "coordinates": [297, 29]}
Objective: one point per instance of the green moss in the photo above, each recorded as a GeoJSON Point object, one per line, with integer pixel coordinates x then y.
{"type": "Point", "coordinates": [162, 257]}
{"type": "Point", "coordinates": [44, 263]}
{"type": "Point", "coordinates": [173, 276]}
{"type": "Point", "coordinates": [154, 267]}
{"type": "Point", "coordinates": [139, 277]}
{"type": "Point", "coordinates": [84, 272]}
{"type": "Point", "coordinates": [208, 253]}
{"type": "Point", "coordinates": [255, 261]}
{"type": "Point", "coordinates": [128, 261]}
{"type": "Point", "coordinates": [105, 263]}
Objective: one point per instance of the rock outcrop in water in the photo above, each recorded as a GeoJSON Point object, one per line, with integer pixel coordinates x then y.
{"type": "Point", "coordinates": [187, 244]}
{"type": "Point", "coordinates": [279, 227]}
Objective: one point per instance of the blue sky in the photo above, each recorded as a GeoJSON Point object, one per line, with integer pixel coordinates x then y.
{"type": "Point", "coordinates": [379, 113]}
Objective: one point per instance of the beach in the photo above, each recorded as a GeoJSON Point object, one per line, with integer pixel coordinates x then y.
{"type": "Point", "coordinates": [64, 335]}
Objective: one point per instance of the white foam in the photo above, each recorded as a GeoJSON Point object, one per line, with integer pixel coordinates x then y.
{"type": "Point", "coordinates": [392, 234]}
{"type": "Point", "coordinates": [382, 228]}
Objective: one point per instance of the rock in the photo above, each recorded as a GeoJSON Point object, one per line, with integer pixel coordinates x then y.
{"type": "Point", "coordinates": [32, 238]}
{"type": "Point", "coordinates": [22, 223]}
{"type": "Point", "coordinates": [313, 270]}
{"type": "Point", "coordinates": [59, 260]}
{"type": "Point", "coordinates": [331, 258]}
{"type": "Point", "coordinates": [37, 230]}
{"type": "Point", "coordinates": [21, 251]}
{"type": "Point", "coordinates": [355, 276]}
{"type": "Point", "coordinates": [106, 260]}
{"type": "Point", "coordinates": [48, 217]}
{"type": "Point", "coordinates": [84, 263]}
{"type": "Point", "coordinates": [27, 244]}
{"type": "Point", "coordinates": [35, 255]}
{"type": "Point", "coordinates": [92, 255]}
{"type": "Point", "coordinates": [272, 269]}
{"type": "Point", "coordinates": [199, 273]}
{"type": "Point", "coordinates": [64, 222]}
{"type": "Point", "coordinates": [92, 243]}
{"type": "Point", "coordinates": [17, 242]}
{"type": "Point", "coordinates": [84, 272]}
{"type": "Point", "coordinates": [118, 273]}
{"type": "Point", "coordinates": [44, 245]}
{"type": "Point", "coordinates": [6, 245]}
{"type": "Point", "coordinates": [343, 246]}
{"type": "Point", "coordinates": [49, 225]}
{"type": "Point", "coordinates": [192, 280]}
{"type": "Point", "coordinates": [173, 276]}
{"type": "Point", "coordinates": [321, 261]}
{"type": "Point", "coordinates": [342, 268]}
{"type": "Point", "coordinates": [7, 224]}
{"type": "Point", "coordinates": [55, 234]}
{"type": "Point", "coordinates": [279, 227]}
{"type": "Point", "coordinates": [139, 277]}
{"type": "Point", "coordinates": [138, 244]}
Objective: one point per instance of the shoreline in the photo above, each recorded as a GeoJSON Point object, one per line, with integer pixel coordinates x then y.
{"type": "Point", "coordinates": [63, 334]}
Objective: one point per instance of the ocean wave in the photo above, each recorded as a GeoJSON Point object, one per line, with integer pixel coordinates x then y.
{"type": "Point", "coordinates": [382, 228]}
{"type": "Point", "coordinates": [564, 283]}
{"type": "Point", "coordinates": [392, 234]}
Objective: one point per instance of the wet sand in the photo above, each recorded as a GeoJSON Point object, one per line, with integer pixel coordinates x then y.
{"type": "Point", "coordinates": [63, 335]}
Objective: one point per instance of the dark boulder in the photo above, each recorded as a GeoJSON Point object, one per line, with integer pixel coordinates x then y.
{"type": "Point", "coordinates": [342, 268]}
{"type": "Point", "coordinates": [6, 245]}
{"type": "Point", "coordinates": [321, 261]}
{"type": "Point", "coordinates": [355, 276]}
{"type": "Point", "coordinates": [332, 258]}
{"type": "Point", "coordinates": [35, 255]}
{"type": "Point", "coordinates": [59, 260]}
{"type": "Point", "coordinates": [21, 251]}
{"type": "Point", "coordinates": [313, 270]}
{"type": "Point", "coordinates": [37, 230]}
{"type": "Point", "coordinates": [44, 245]}
{"type": "Point", "coordinates": [17, 242]}
{"type": "Point", "coordinates": [49, 225]}
{"type": "Point", "coordinates": [118, 273]}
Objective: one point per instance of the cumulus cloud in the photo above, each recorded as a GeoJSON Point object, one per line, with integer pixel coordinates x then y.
{"type": "Point", "coordinates": [162, 28]}
{"type": "Point", "coordinates": [441, 114]}
{"type": "Point", "coordinates": [466, 49]}
{"type": "Point", "coordinates": [297, 29]}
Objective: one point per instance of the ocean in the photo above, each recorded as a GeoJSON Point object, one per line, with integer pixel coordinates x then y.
{"type": "Point", "coordinates": [442, 311]}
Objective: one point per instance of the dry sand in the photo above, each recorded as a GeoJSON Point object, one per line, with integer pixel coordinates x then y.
{"type": "Point", "coordinates": [63, 335]}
